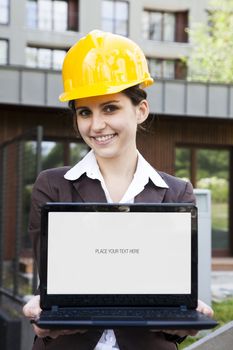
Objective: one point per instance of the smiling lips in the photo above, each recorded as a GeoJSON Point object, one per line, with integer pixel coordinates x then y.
{"type": "Point", "coordinates": [103, 138]}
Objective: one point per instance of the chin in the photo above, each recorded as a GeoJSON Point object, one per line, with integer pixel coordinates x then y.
{"type": "Point", "coordinates": [106, 155]}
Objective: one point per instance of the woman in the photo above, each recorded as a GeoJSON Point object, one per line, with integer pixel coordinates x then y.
{"type": "Point", "coordinates": [104, 76]}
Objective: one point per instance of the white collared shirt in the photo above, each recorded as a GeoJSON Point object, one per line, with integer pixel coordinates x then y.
{"type": "Point", "coordinates": [143, 173]}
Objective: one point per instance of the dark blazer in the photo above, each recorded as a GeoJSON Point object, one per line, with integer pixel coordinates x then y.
{"type": "Point", "coordinates": [51, 186]}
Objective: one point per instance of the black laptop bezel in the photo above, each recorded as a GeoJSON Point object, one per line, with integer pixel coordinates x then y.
{"type": "Point", "coordinates": [117, 300]}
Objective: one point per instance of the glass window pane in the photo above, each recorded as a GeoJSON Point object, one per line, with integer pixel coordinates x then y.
{"type": "Point", "coordinates": [3, 51]}
{"type": "Point", "coordinates": [121, 28]}
{"type": "Point", "coordinates": [77, 152]}
{"type": "Point", "coordinates": [107, 9]}
{"type": "Point", "coordinates": [58, 58]}
{"type": "Point", "coordinates": [155, 26]}
{"type": "Point", "coordinates": [107, 16]}
{"type": "Point", "coordinates": [31, 57]}
{"type": "Point", "coordinates": [168, 69]}
{"type": "Point", "coordinates": [213, 174]}
{"type": "Point", "coordinates": [32, 14]}
{"type": "Point", "coordinates": [155, 67]}
{"type": "Point", "coordinates": [60, 15]}
{"type": "Point", "coordinates": [121, 10]}
{"type": "Point", "coordinates": [52, 154]}
{"type": "Point", "coordinates": [183, 163]}
{"type": "Point", "coordinates": [145, 24]}
{"type": "Point", "coordinates": [45, 14]}
{"type": "Point", "coordinates": [169, 27]}
{"type": "Point", "coordinates": [108, 25]}
{"type": "Point", "coordinates": [44, 58]}
{"type": "Point", "coordinates": [4, 11]}
{"type": "Point", "coordinates": [121, 18]}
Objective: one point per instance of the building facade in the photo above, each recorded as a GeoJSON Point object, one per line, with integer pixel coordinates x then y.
{"type": "Point", "coordinates": [38, 32]}
{"type": "Point", "coordinates": [191, 117]}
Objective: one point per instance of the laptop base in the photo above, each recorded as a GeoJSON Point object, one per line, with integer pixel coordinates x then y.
{"type": "Point", "coordinates": [69, 318]}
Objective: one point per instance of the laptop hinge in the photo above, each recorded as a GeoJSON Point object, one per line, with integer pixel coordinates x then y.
{"type": "Point", "coordinates": [54, 308]}
{"type": "Point", "coordinates": [183, 308]}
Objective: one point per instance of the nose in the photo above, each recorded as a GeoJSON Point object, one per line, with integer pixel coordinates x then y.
{"type": "Point", "coordinates": [98, 122]}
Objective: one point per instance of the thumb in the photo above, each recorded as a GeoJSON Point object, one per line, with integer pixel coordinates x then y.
{"type": "Point", "coordinates": [32, 308]}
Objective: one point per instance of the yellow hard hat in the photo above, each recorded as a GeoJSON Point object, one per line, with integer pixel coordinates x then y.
{"type": "Point", "coordinates": [103, 63]}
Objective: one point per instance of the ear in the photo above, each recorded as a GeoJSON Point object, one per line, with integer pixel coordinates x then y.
{"type": "Point", "coordinates": [142, 111]}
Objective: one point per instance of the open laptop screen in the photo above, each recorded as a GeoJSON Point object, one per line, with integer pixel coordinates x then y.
{"type": "Point", "coordinates": [119, 252]}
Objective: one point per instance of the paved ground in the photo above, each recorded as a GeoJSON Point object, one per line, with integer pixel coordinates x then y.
{"type": "Point", "coordinates": [221, 284]}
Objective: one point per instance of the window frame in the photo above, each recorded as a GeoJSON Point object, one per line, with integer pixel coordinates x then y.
{"type": "Point", "coordinates": [177, 62]}
{"type": "Point", "coordinates": [176, 30]}
{"type": "Point", "coordinates": [114, 19]}
{"type": "Point", "coordinates": [51, 49]}
{"type": "Point", "coordinates": [69, 21]}
{"type": "Point", "coordinates": [7, 51]}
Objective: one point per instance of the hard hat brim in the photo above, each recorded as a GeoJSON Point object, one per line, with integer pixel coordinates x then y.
{"type": "Point", "coordinates": [98, 90]}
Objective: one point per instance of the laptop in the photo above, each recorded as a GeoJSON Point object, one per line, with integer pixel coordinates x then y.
{"type": "Point", "coordinates": [119, 265]}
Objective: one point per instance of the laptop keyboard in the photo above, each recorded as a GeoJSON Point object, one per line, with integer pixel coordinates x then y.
{"type": "Point", "coordinates": [118, 313]}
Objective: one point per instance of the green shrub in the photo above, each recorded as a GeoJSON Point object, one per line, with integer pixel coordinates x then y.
{"type": "Point", "coordinates": [218, 187]}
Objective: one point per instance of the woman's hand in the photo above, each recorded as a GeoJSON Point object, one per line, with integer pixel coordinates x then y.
{"type": "Point", "coordinates": [32, 311]}
{"type": "Point", "coordinates": [205, 309]}
{"type": "Point", "coordinates": [201, 307]}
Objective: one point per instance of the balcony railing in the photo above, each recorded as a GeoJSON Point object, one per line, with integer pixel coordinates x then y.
{"type": "Point", "coordinates": [38, 87]}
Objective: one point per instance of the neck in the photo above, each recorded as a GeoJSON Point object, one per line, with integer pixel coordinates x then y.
{"type": "Point", "coordinates": [118, 173]}
{"type": "Point", "coordinates": [119, 166]}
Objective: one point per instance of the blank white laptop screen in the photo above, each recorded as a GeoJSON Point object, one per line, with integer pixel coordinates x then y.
{"type": "Point", "coordinates": [119, 253]}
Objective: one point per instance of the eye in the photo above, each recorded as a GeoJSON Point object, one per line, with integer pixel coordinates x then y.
{"type": "Point", "coordinates": [110, 108]}
{"type": "Point", "coordinates": [83, 112]}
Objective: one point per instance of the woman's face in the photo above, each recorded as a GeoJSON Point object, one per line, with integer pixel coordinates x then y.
{"type": "Point", "coordinates": [108, 123]}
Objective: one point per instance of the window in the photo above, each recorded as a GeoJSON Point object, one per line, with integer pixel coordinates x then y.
{"type": "Point", "coordinates": [115, 16]}
{"type": "Point", "coordinates": [165, 26]}
{"type": "Point", "coordinates": [44, 58]}
{"type": "Point", "coordinates": [52, 15]}
{"type": "Point", "coordinates": [55, 154]}
{"type": "Point", "coordinates": [3, 51]}
{"type": "Point", "coordinates": [32, 14]}
{"type": "Point", "coordinates": [210, 169]}
{"type": "Point", "coordinates": [162, 68]}
{"type": "Point", "coordinates": [168, 26]}
{"type": "Point", "coordinates": [4, 11]}
{"type": "Point", "coordinates": [167, 68]}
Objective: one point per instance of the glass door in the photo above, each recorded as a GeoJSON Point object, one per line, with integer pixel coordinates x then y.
{"type": "Point", "coordinates": [209, 169]}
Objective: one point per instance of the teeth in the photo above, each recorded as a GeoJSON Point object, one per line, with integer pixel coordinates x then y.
{"type": "Point", "coordinates": [104, 138]}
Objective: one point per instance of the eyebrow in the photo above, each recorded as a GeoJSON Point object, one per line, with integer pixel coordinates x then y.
{"type": "Point", "coordinates": [101, 105]}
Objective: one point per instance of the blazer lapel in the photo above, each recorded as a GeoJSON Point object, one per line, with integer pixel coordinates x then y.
{"type": "Point", "coordinates": [89, 190]}
{"type": "Point", "coordinates": [151, 194]}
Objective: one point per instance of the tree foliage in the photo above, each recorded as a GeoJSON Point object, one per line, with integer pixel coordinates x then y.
{"type": "Point", "coordinates": [211, 58]}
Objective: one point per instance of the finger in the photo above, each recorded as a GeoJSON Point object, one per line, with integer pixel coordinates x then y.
{"type": "Point", "coordinates": [205, 309]}
{"type": "Point", "coordinates": [41, 333]}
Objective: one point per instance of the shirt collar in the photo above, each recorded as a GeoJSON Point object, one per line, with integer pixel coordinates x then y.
{"type": "Point", "coordinates": [89, 165]}
{"type": "Point", "coordinates": [146, 171]}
